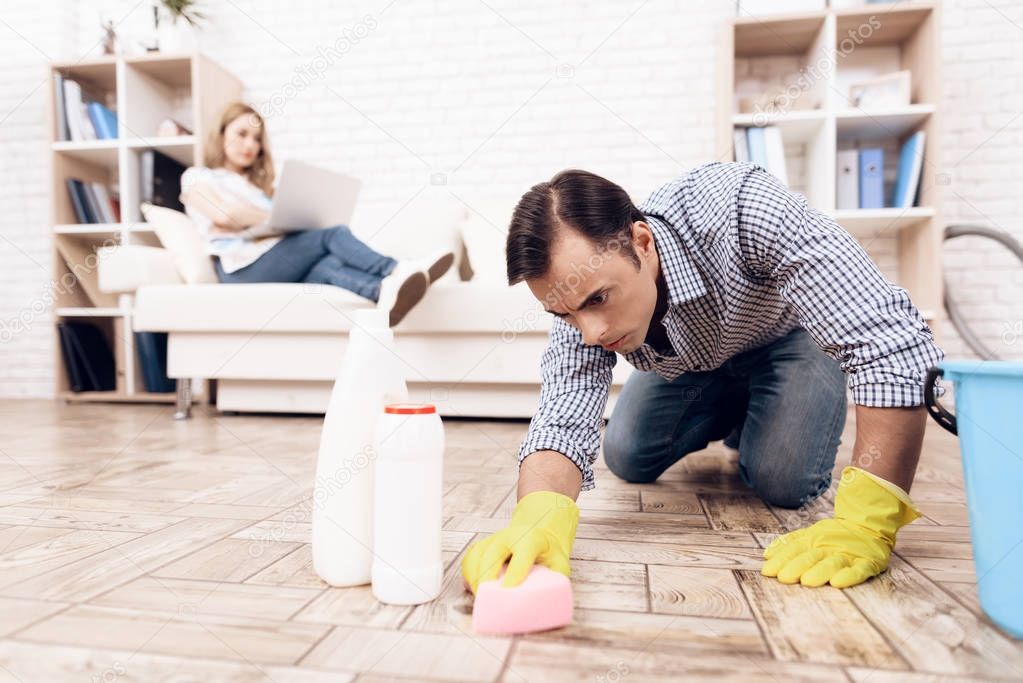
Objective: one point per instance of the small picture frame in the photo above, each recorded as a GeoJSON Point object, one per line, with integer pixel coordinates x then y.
{"type": "Point", "coordinates": [882, 92]}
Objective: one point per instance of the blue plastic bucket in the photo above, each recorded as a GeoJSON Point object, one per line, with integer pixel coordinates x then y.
{"type": "Point", "coordinates": [989, 422]}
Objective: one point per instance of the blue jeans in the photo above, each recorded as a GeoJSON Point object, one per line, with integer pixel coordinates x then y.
{"type": "Point", "coordinates": [786, 400]}
{"type": "Point", "coordinates": [331, 256]}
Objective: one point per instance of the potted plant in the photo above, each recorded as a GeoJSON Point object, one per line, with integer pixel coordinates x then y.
{"type": "Point", "coordinates": [176, 24]}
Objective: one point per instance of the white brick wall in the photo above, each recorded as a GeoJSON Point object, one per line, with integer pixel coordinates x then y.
{"type": "Point", "coordinates": [983, 137]}
{"type": "Point", "coordinates": [496, 99]}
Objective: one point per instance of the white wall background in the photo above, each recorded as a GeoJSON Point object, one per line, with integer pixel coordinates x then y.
{"type": "Point", "coordinates": [497, 96]}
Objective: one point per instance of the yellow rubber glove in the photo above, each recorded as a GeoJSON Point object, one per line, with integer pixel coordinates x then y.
{"type": "Point", "coordinates": [853, 546]}
{"type": "Point", "coordinates": [541, 531]}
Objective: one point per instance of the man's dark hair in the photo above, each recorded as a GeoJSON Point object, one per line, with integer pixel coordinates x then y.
{"type": "Point", "coordinates": [596, 208]}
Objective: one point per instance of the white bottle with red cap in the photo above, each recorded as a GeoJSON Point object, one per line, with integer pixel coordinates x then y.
{"type": "Point", "coordinates": [370, 377]}
{"type": "Point", "coordinates": [409, 446]}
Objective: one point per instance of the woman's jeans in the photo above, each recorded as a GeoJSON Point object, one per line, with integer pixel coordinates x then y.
{"type": "Point", "coordinates": [787, 400]}
{"type": "Point", "coordinates": [332, 256]}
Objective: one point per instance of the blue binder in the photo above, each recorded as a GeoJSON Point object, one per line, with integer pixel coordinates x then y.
{"type": "Point", "coordinates": [871, 178]}
{"type": "Point", "coordinates": [757, 146]}
{"type": "Point", "coordinates": [910, 161]}
{"type": "Point", "coordinates": [103, 120]}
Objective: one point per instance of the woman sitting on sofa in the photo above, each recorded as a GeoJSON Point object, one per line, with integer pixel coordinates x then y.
{"type": "Point", "coordinates": [233, 191]}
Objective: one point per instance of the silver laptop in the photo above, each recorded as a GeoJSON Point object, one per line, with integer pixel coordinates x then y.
{"type": "Point", "coordinates": [308, 197]}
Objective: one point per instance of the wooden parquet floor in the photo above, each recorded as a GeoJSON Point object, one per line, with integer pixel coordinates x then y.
{"type": "Point", "coordinates": [136, 548]}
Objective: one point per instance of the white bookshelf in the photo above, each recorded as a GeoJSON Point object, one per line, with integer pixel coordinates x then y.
{"type": "Point", "coordinates": [142, 90]}
{"type": "Point", "coordinates": [817, 120]}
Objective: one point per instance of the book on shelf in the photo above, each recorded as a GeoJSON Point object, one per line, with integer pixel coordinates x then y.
{"type": "Point", "coordinates": [872, 178]}
{"type": "Point", "coordinates": [907, 182]}
{"type": "Point", "coordinates": [775, 153]}
{"type": "Point", "coordinates": [847, 195]}
{"type": "Point", "coordinates": [92, 202]}
{"type": "Point", "coordinates": [766, 149]}
{"type": "Point", "coordinates": [76, 190]}
{"type": "Point", "coordinates": [80, 118]}
{"type": "Point", "coordinates": [106, 209]}
{"type": "Point", "coordinates": [103, 120]}
{"type": "Point", "coordinates": [757, 146]}
{"type": "Point", "coordinates": [95, 210]}
{"type": "Point", "coordinates": [72, 109]}
{"type": "Point", "coordinates": [161, 180]}
{"type": "Point", "coordinates": [741, 144]}
{"type": "Point", "coordinates": [63, 134]}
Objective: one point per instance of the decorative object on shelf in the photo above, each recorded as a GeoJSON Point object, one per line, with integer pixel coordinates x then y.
{"type": "Point", "coordinates": [887, 91]}
{"type": "Point", "coordinates": [171, 128]}
{"type": "Point", "coordinates": [109, 37]}
{"type": "Point", "coordinates": [176, 23]}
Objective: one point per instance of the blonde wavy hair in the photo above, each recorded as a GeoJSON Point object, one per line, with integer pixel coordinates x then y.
{"type": "Point", "coordinates": [261, 172]}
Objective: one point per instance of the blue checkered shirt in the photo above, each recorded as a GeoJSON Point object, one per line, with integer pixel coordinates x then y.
{"type": "Point", "coordinates": [745, 261]}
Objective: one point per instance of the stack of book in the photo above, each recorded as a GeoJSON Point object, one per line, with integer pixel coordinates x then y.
{"type": "Point", "coordinates": [860, 176]}
{"type": "Point", "coordinates": [762, 146]}
{"type": "Point", "coordinates": [79, 118]}
{"type": "Point", "coordinates": [92, 203]}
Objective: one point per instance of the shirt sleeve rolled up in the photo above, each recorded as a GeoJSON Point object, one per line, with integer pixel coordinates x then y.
{"type": "Point", "coordinates": [575, 380]}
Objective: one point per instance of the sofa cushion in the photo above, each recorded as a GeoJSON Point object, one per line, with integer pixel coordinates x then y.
{"type": "Point", "coordinates": [179, 235]}
{"type": "Point", "coordinates": [484, 232]}
{"type": "Point", "coordinates": [126, 267]}
{"type": "Point", "coordinates": [428, 222]}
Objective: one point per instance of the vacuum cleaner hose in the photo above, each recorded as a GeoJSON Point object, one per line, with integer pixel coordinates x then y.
{"type": "Point", "coordinates": [954, 314]}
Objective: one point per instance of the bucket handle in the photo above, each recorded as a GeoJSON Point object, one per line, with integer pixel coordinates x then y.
{"type": "Point", "coordinates": [934, 407]}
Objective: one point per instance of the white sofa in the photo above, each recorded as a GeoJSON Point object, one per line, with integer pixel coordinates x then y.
{"type": "Point", "coordinates": [472, 347]}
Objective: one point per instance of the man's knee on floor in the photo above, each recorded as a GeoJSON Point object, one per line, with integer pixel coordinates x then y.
{"type": "Point", "coordinates": [783, 493]}
{"type": "Point", "coordinates": [620, 456]}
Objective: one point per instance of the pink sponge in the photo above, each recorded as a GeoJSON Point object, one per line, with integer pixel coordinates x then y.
{"type": "Point", "coordinates": [543, 601]}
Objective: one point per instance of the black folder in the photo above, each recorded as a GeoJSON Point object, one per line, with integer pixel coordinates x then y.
{"type": "Point", "coordinates": [87, 356]}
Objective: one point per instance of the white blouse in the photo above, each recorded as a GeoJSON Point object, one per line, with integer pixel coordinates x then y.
{"type": "Point", "coordinates": [235, 252]}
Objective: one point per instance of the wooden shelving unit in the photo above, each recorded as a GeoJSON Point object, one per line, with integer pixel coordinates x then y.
{"type": "Point", "coordinates": [833, 48]}
{"type": "Point", "coordinates": [142, 90]}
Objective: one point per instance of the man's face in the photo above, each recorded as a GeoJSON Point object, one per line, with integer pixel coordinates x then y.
{"type": "Point", "coordinates": [601, 292]}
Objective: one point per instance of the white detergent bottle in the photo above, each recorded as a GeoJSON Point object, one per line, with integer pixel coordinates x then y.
{"type": "Point", "coordinates": [370, 377]}
{"type": "Point", "coordinates": [408, 568]}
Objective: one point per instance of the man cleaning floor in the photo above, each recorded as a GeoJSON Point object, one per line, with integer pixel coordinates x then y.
{"type": "Point", "coordinates": [741, 307]}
